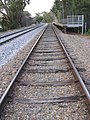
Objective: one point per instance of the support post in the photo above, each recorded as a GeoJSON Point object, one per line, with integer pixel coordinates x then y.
{"type": "Point", "coordinates": [82, 23]}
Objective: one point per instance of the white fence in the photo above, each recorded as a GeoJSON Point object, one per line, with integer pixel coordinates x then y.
{"type": "Point", "coordinates": [74, 21]}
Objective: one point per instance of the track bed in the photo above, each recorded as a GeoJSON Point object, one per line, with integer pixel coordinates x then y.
{"type": "Point", "coordinates": [46, 88]}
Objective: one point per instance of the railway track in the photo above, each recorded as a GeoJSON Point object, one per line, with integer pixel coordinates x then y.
{"type": "Point", "coordinates": [11, 36]}
{"type": "Point", "coordinates": [45, 86]}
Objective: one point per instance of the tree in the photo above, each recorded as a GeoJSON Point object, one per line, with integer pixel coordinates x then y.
{"type": "Point", "coordinates": [47, 17]}
{"type": "Point", "coordinates": [81, 7]}
{"type": "Point", "coordinates": [38, 17]}
{"type": "Point", "coordinates": [26, 19]}
{"type": "Point", "coordinates": [56, 9]}
{"type": "Point", "coordinates": [72, 7]}
{"type": "Point", "coordinates": [12, 12]}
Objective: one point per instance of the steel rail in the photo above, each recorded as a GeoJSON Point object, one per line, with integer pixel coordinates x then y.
{"type": "Point", "coordinates": [4, 96]}
{"type": "Point", "coordinates": [3, 36]}
{"type": "Point", "coordinates": [19, 34]}
{"type": "Point", "coordinates": [74, 68]}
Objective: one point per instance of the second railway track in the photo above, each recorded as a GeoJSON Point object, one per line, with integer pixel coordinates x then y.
{"type": "Point", "coordinates": [13, 35]}
{"type": "Point", "coordinates": [46, 88]}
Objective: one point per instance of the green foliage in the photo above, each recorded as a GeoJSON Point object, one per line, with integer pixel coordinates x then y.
{"type": "Point", "coordinates": [5, 23]}
{"type": "Point", "coordinates": [39, 18]}
{"type": "Point", "coordinates": [72, 7]}
{"type": "Point", "coordinates": [47, 17]}
{"type": "Point", "coordinates": [88, 32]}
{"type": "Point", "coordinates": [43, 17]}
{"type": "Point", "coordinates": [12, 16]}
{"type": "Point", "coordinates": [56, 9]}
{"type": "Point", "coordinates": [57, 4]}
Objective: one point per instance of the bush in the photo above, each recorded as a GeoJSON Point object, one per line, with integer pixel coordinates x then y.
{"type": "Point", "coordinates": [88, 32]}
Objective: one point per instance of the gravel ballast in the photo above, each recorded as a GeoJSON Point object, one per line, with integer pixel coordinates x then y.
{"type": "Point", "coordinates": [45, 111]}
{"type": "Point", "coordinates": [5, 33]}
{"type": "Point", "coordinates": [8, 70]}
{"type": "Point", "coordinates": [11, 48]}
{"type": "Point", "coordinates": [78, 48]}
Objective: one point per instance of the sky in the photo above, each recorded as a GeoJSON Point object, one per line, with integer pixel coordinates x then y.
{"type": "Point", "coordinates": [38, 6]}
